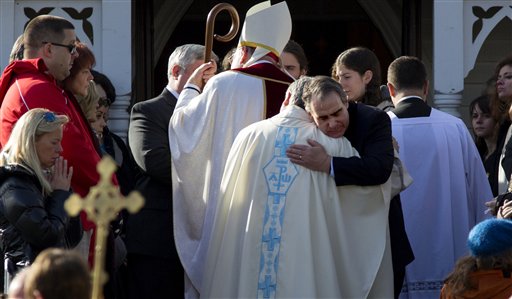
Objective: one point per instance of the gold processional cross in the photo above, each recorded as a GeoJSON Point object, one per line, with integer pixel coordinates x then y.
{"type": "Point", "coordinates": [102, 205]}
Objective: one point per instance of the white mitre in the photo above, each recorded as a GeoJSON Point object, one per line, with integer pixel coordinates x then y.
{"type": "Point", "coordinates": [267, 28]}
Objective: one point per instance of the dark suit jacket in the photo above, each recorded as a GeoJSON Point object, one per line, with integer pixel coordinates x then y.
{"type": "Point", "coordinates": [150, 231]}
{"type": "Point", "coordinates": [369, 131]}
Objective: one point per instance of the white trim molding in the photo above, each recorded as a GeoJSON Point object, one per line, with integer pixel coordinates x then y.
{"type": "Point", "coordinates": [480, 18]}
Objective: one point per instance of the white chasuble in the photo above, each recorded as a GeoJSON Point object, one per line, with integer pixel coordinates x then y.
{"type": "Point", "coordinates": [283, 231]}
{"type": "Point", "coordinates": [201, 132]}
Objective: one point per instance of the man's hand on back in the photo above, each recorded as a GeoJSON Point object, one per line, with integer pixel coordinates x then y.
{"type": "Point", "coordinates": [312, 156]}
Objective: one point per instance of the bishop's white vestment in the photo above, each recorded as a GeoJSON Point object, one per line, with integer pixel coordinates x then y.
{"type": "Point", "coordinates": [201, 132]}
{"type": "Point", "coordinates": [283, 231]}
{"type": "Point", "coordinates": [446, 199]}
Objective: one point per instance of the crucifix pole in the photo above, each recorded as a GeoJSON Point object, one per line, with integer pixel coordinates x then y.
{"type": "Point", "coordinates": [102, 205]}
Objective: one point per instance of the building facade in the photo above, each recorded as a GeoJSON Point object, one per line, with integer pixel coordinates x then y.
{"type": "Point", "coordinates": [460, 41]}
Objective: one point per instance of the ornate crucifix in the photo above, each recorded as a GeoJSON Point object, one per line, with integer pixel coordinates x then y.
{"type": "Point", "coordinates": [102, 205]}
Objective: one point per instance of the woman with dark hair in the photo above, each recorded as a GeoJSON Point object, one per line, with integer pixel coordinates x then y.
{"type": "Point", "coordinates": [126, 172]}
{"type": "Point", "coordinates": [104, 86]}
{"type": "Point", "coordinates": [501, 95]}
{"type": "Point", "coordinates": [501, 100]}
{"type": "Point", "coordinates": [111, 143]}
{"type": "Point", "coordinates": [294, 59]}
{"type": "Point", "coordinates": [359, 73]}
{"type": "Point", "coordinates": [485, 131]}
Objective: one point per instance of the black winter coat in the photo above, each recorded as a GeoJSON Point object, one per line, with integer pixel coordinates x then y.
{"type": "Point", "coordinates": [29, 222]}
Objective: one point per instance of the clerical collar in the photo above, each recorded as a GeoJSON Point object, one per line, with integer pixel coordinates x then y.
{"type": "Point", "coordinates": [409, 97]}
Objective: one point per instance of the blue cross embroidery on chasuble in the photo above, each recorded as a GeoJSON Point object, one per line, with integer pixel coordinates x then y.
{"type": "Point", "coordinates": [279, 174]}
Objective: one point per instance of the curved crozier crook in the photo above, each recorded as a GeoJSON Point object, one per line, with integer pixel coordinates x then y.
{"type": "Point", "coordinates": [210, 22]}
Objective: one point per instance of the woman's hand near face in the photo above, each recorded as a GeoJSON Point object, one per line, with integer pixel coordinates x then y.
{"type": "Point", "coordinates": [61, 175]}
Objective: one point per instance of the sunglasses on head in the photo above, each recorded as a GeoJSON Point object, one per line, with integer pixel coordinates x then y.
{"type": "Point", "coordinates": [49, 117]}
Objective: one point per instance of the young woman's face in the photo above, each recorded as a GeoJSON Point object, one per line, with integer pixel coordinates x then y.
{"type": "Point", "coordinates": [100, 122]}
{"type": "Point", "coordinates": [504, 82]}
{"type": "Point", "coordinates": [352, 82]}
{"type": "Point", "coordinates": [483, 123]}
{"type": "Point", "coordinates": [49, 147]}
{"type": "Point", "coordinates": [292, 65]}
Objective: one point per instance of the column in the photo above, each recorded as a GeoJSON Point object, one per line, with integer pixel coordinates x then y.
{"type": "Point", "coordinates": [448, 55]}
{"type": "Point", "coordinates": [117, 59]}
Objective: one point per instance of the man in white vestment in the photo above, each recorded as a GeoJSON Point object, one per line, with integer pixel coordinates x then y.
{"type": "Point", "coordinates": [205, 124]}
{"type": "Point", "coordinates": [450, 185]}
{"type": "Point", "coordinates": [284, 231]}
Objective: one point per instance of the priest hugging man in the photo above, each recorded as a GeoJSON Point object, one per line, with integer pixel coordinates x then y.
{"type": "Point", "coordinates": [284, 231]}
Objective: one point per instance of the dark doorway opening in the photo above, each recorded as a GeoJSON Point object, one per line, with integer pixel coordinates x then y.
{"type": "Point", "coordinates": [324, 31]}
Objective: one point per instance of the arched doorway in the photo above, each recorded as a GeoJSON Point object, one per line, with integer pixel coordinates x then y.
{"type": "Point", "coordinates": [324, 28]}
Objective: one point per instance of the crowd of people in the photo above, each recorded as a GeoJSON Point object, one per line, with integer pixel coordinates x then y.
{"type": "Point", "coordinates": [259, 180]}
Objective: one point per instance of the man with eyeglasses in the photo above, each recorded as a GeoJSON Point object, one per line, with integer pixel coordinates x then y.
{"type": "Point", "coordinates": [31, 83]}
{"type": "Point", "coordinates": [49, 53]}
{"type": "Point", "coordinates": [71, 48]}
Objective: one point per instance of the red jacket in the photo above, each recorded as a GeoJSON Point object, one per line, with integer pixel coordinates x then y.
{"type": "Point", "coordinates": [26, 84]}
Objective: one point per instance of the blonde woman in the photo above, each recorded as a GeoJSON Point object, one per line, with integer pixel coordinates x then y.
{"type": "Point", "coordinates": [34, 183]}
{"type": "Point", "coordinates": [89, 104]}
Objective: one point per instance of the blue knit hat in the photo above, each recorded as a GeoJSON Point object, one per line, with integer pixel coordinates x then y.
{"type": "Point", "coordinates": [490, 237]}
